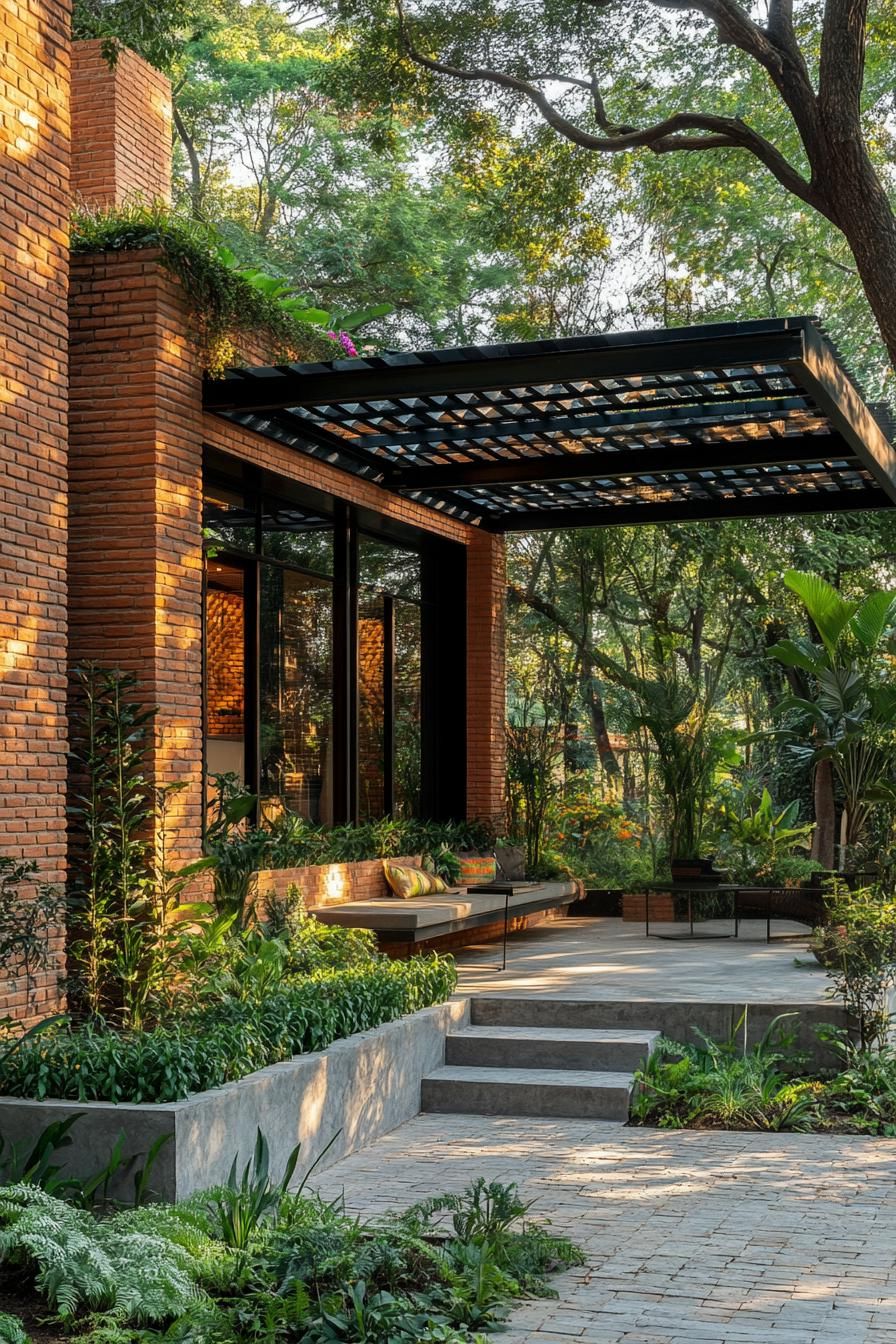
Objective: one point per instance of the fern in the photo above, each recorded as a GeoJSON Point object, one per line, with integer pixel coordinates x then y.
{"type": "Point", "coordinates": [82, 1264]}
{"type": "Point", "coordinates": [12, 1331]}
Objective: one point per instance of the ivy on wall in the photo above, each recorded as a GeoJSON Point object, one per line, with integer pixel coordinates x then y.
{"type": "Point", "coordinates": [226, 307]}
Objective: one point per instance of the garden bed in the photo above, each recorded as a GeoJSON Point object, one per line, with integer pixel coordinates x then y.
{"type": "Point", "coordinates": [252, 1260]}
{"type": "Point", "coordinates": [344, 1096]}
{"type": "Point", "coordinates": [770, 1086]}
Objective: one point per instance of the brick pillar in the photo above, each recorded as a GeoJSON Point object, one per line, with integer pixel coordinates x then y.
{"type": "Point", "coordinates": [34, 187]}
{"type": "Point", "coordinates": [121, 128]}
{"type": "Point", "coordinates": [135, 568]}
{"type": "Point", "coordinates": [486, 745]}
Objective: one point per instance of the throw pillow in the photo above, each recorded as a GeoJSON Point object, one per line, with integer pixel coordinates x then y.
{"type": "Point", "coordinates": [475, 871]}
{"type": "Point", "coordinates": [406, 882]}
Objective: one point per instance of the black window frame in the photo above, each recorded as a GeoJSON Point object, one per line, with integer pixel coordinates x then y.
{"type": "Point", "coordinates": [443, 639]}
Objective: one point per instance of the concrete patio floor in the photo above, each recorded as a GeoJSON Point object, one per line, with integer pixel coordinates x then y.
{"type": "Point", "coordinates": [606, 959]}
{"type": "Point", "coordinates": [690, 1237]}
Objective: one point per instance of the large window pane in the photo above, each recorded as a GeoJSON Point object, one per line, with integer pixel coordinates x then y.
{"type": "Point", "coordinates": [406, 621]}
{"type": "Point", "coordinates": [295, 686]}
{"type": "Point", "coordinates": [389, 742]}
{"type": "Point", "coordinates": [225, 670]}
{"type": "Point", "coordinates": [298, 536]}
{"type": "Point", "coordinates": [228, 521]}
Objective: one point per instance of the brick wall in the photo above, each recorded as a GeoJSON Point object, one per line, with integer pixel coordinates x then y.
{"type": "Point", "coordinates": [486, 742]}
{"type": "Point", "coordinates": [121, 128]}
{"type": "Point", "coordinates": [135, 565]}
{"type": "Point", "coordinates": [34, 185]}
{"type": "Point", "coordinates": [330, 883]}
{"type": "Point", "coordinates": [136, 547]}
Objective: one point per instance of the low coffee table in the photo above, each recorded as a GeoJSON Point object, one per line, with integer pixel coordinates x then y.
{"type": "Point", "coordinates": [692, 891]}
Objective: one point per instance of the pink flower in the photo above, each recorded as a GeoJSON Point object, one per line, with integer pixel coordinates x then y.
{"type": "Point", "coordinates": [343, 338]}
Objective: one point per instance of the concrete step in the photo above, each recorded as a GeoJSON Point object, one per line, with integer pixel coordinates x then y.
{"type": "Point", "coordinates": [549, 1048]}
{"type": "Point", "coordinates": [570, 1093]}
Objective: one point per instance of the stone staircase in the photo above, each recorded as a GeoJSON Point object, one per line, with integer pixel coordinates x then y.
{"type": "Point", "coordinates": [529, 1057]}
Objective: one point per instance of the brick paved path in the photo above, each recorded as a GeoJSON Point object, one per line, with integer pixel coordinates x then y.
{"type": "Point", "coordinates": [691, 1238]}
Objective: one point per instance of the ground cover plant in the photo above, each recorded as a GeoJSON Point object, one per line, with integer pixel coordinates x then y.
{"type": "Point", "coordinates": [253, 1261]}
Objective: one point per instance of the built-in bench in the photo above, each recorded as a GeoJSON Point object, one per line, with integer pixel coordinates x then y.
{"type": "Point", "coordinates": [427, 920]}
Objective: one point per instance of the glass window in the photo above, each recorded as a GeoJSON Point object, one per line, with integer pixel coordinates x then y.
{"type": "Point", "coordinates": [389, 636]}
{"type": "Point", "coordinates": [228, 521]}
{"type": "Point", "coordinates": [374, 675]}
{"type": "Point", "coordinates": [389, 568]}
{"type": "Point", "coordinates": [406, 714]}
{"type": "Point", "coordinates": [225, 670]}
{"type": "Point", "coordinates": [297, 536]}
{"type": "Point", "coordinates": [295, 691]}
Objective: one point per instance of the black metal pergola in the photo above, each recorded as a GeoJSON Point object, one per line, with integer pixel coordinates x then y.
{"type": "Point", "coordinates": [724, 420]}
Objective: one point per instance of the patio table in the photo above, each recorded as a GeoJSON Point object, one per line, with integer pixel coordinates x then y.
{"type": "Point", "coordinates": [744, 900]}
{"type": "Point", "coordinates": [691, 890]}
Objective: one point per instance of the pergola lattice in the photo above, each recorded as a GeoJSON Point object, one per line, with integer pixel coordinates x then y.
{"type": "Point", "coordinates": [724, 420]}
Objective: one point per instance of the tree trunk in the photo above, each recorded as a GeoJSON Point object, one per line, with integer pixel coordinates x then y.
{"type": "Point", "coordinates": [595, 705]}
{"type": "Point", "coordinates": [825, 816]}
{"type": "Point", "coordinates": [860, 207]}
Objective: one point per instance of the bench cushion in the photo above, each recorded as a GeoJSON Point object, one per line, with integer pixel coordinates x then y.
{"type": "Point", "coordinates": [390, 916]}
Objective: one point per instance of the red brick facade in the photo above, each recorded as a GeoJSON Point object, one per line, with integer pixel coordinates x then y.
{"type": "Point", "coordinates": [121, 129]}
{"type": "Point", "coordinates": [34, 187]}
{"type": "Point", "coordinates": [128, 541]}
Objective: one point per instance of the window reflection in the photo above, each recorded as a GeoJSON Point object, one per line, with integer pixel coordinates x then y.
{"type": "Point", "coordinates": [295, 689]}
{"type": "Point", "coordinates": [225, 674]}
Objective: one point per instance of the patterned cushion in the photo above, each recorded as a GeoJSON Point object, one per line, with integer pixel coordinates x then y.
{"type": "Point", "coordinates": [406, 882]}
{"type": "Point", "coordinates": [475, 871]}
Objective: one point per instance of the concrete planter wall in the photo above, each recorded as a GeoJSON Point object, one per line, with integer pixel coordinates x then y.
{"type": "Point", "coordinates": [359, 1088]}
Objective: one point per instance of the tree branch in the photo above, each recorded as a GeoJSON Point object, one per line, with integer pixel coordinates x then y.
{"type": "Point", "coordinates": [664, 137]}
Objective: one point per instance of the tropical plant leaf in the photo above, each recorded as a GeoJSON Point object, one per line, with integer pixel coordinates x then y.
{"type": "Point", "coordinates": [800, 653]}
{"type": "Point", "coordinates": [830, 613]}
{"type": "Point", "coordinates": [872, 618]}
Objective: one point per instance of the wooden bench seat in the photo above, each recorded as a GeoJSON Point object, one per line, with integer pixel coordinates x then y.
{"type": "Point", "coordinates": [425, 918]}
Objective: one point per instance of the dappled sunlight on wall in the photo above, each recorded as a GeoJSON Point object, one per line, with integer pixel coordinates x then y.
{"type": "Point", "coordinates": [34, 171]}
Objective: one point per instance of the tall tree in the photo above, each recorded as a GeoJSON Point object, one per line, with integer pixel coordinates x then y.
{"type": "Point", "coordinates": [666, 76]}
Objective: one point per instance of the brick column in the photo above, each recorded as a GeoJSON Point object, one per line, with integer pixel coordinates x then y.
{"type": "Point", "coordinates": [135, 568]}
{"type": "Point", "coordinates": [486, 745]}
{"type": "Point", "coordinates": [121, 128]}
{"type": "Point", "coordinates": [34, 185]}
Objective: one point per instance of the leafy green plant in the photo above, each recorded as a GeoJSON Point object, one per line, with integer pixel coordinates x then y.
{"type": "Point", "coordinates": [723, 1084]}
{"type": "Point", "coordinates": [254, 1261]}
{"type": "Point", "coordinates": [126, 906]}
{"type": "Point", "coordinates": [226, 307]}
{"type": "Point", "coordinates": [858, 950]}
{"type": "Point", "coordinates": [28, 923]}
{"type": "Point", "coordinates": [223, 1038]}
{"type": "Point", "coordinates": [846, 720]}
{"type": "Point", "coordinates": [12, 1329]}
{"type": "Point", "coordinates": [247, 1200]}
{"type": "Point", "coordinates": [759, 840]}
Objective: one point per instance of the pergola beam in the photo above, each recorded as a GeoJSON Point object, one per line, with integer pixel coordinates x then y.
{"type": "Point", "coordinates": [684, 511]}
{"type": "Point", "coordinates": [768, 452]}
{"type": "Point", "coordinates": [847, 412]}
{"type": "Point", "coordinates": [478, 369]}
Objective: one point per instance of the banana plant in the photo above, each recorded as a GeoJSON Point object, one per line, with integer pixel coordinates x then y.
{"type": "Point", "coordinates": [849, 716]}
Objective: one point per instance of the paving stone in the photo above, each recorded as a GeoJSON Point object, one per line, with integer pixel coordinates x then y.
{"type": "Point", "coordinates": [798, 1249]}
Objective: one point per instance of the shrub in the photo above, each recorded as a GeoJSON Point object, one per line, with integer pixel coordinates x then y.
{"type": "Point", "coordinates": [721, 1085]}
{"type": "Point", "coordinates": [304, 1271]}
{"type": "Point", "coordinates": [223, 1040]}
{"type": "Point", "coordinates": [225, 306]}
{"type": "Point", "coordinates": [858, 949]}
